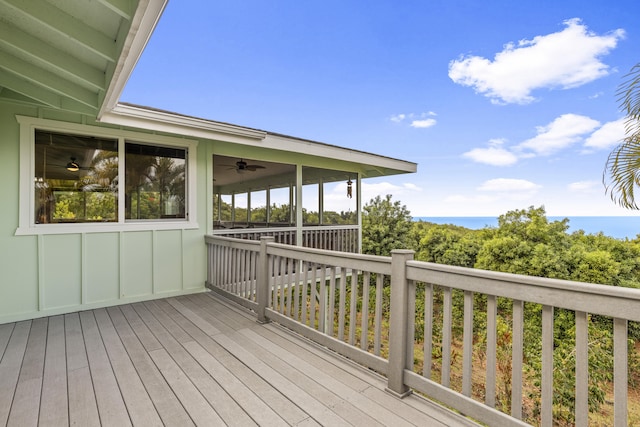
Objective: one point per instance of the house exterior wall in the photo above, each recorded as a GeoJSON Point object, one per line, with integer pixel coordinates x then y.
{"type": "Point", "coordinates": [47, 274]}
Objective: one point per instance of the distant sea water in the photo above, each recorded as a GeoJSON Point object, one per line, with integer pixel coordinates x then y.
{"type": "Point", "coordinates": [613, 226]}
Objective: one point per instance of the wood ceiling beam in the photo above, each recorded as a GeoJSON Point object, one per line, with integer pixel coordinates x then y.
{"type": "Point", "coordinates": [66, 25]}
{"type": "Point", "coordinates": [51, 58]}
{"type": "Point", "coordinates": [124, 8]}
{"type": "Point", "coordinates": [48, 80]}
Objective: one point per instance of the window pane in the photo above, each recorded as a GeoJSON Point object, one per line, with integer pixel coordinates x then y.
{"type": "Point", "coordinates": [155, 185]}
{"type": "Point", "coordinates": [75, 178]}
{"type": "Point", "coordinates": [259, 206]}
{"type": "Point", "coordinates": [280, 209]}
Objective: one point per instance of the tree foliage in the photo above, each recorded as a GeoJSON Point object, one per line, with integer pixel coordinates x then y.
{"type": "Point", "coordinates": [386, 225]}
{"type": "Point", "coordinates": [622, 171]}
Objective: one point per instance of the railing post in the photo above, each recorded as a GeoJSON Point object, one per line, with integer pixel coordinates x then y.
{"type": "Point", "coordinates": [262, 280]}
{"type": "Point", "coordinates": [398, 325]}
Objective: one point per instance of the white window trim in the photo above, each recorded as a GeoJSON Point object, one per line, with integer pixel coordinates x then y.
{"type": "Point", "coordinates": [26, 223]}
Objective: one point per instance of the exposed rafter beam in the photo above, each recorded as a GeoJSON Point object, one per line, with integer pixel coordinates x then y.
{"type": "Point", "coordinates": [48, 80]}
{"type": "Point", "coordinates": [30, 90]}
{"type": "Point", "coordinates": [51, 57]}
{"type": "Point", "coordinates": [124, 8]}
{"type": "Point", "coordinates": [66, 25]}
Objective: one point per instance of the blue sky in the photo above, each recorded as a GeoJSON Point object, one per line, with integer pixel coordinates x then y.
{"type": "Point", "coordinates": [503, 104]}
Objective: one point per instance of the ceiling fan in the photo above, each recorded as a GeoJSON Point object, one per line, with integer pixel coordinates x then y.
{"type": "Point", "coordinates": [73, 166]}
{"type": "Point", "coordinates": [241, 167]}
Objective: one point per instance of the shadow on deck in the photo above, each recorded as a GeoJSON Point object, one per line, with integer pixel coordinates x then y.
{"type": "Point", "coordinates": [183, 361]}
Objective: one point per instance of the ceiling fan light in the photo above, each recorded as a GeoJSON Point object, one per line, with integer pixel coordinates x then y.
{"type": "Point", "coordinates": [72, 166]}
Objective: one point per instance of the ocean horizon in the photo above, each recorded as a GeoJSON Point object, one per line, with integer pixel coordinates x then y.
{"type": "Point", "coordinates": [619, 227]}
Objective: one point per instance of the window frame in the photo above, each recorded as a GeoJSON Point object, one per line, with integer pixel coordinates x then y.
{"type": "Point", "coordinates": [26, 221]}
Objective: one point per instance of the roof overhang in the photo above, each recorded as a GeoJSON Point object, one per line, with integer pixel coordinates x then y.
{"type": "Point", "coordinates": [371, 165]}
{"type": "Point", "coordinates": [73, 55]}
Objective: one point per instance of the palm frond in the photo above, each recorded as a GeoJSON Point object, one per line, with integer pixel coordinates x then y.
{"type": "Point", "coordinates": [622, 173]}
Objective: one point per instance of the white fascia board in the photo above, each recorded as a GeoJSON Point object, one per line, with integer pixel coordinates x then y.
{"type": "Point", "coordinates": [161, 121]}
{"type": "Point", "coordinates": [280, 142]}
{"type": "Point", "coordinates": [143, 23]}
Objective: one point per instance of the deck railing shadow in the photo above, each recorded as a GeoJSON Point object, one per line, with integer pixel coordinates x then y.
{"type": "Point", "coordinates": [366, 308]}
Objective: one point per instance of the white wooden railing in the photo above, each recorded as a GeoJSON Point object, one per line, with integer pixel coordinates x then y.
{"type": "Point", "coordinates": [323, 295]}
{"type": "Point", "coordinates": [343, 238]}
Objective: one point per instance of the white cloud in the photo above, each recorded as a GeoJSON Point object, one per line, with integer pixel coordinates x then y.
{"type": "Point", "coordinates": [609, 135]}
{"type": "Point", "coordinates": [420, 121]}
{"type": "Point", "coordinates": [399, 192]}
{"type": "Point", "coordinates": [509, 185]}
{"type": "Point", "coordinates": [493, 155]}
{"type": "Point", "coordinates": [397, 118]}
{"type": "Point", "coordinates": [426, 123]}
{"type": "Point", "coordinates": [583, 186]}
{"type": "Point", "coordinates": [561, 133]}
{"type": "Point", "coordinates": [565, 59]}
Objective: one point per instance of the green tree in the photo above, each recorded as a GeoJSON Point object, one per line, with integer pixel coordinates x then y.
{"type": "Point", "coordinates": [622, 171]}
{"type": "Point", "coordinates": [386, 225]}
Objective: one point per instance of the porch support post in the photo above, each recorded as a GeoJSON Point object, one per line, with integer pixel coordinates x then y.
{"type": "Point", "coordinates": [359, 211]}
{"type": "Point", "coordinates": [398, 322]}
{"type": "Point", "coordinates": [262, 280]}
{"type": "Point", "coordinates": [299, 205]}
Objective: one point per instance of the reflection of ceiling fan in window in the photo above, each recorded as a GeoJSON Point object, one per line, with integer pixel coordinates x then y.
{"type": "Point", "coordinates": [74, 166]}
{"type": "Point", "coordinates": [241, 167]}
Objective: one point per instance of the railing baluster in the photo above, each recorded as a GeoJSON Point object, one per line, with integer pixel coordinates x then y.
{"type": "Point", "coordinates": [303, 300]}
{"type": "Point", "coordinates": [331, 314]}
{"type": "Point", "coordinates": [342, 301]}
{"type": "Point", "coordinates": [516, 359]}
{"type": "Point", "coordinates": [428, 330]}
{"type": "Point", "coordinates": [364, 319]}
{"type": "Point", "coordinates": [283, 269]}
{"type": "Point", "coordinates": [378, 315]}
{"type": "Point", "coordinates": [492, 345]}
{"type": "Point", "coordinates": [411, 323]}
{"type": "Point", "coordinates": [296, 292]}
{"type": "Point", "coordinates": [322, 299]}
{"type": "Point", "coordinates": [547, 366]}
{"type": "Point", "coordinates": [313, 295]}
{"type": "Point", "coordinates": [353, 322]}
{"type": "Point", "coordinates": [467, 344]}
{"type": "Point", "coordinates": [620, 375]}
{"type": "Point", "coordinates": [446, 337]}
{"type": "Point", "coordinates": [290, 275]}
{"type": "Point", "coordinates": [582, 369]}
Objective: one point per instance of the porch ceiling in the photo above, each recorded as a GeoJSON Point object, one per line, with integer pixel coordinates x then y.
{"type": "Point", "coordinates": [66, 54]}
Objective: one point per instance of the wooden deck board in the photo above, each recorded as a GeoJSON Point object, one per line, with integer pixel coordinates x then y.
{"type": "Point", "coordinates": [83, 409]}
{"type": "Point", "coordinates": [190, 360]}
{"type": "Point", "coordinates": [165, 401]}
{"type": "Point", "coordinates": [10, 367]}
{"type": "Point", "coordinates": [26, 401]}
{"type": "Point", "coordinates": [53, 404]}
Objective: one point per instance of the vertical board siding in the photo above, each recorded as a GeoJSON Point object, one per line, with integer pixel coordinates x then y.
{"type": "Point", "coordinates": [102, 267]}
{"type": "Point", "coordinates": [137, 264]}
{"type": "Point", "coordinates": [167, 260]}
{"type": "Point", "coordinates": [61, 274]}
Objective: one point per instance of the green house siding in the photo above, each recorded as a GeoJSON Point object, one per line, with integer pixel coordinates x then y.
{"type": "Point", "coordinates": [56, 273]}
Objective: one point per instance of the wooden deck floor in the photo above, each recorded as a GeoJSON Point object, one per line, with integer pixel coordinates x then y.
{"type": "Point", "coordinates": [185, 361]}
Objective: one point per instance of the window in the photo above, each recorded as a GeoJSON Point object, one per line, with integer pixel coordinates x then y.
{"type": "Point", "coordinates": [154, 182]}
{"type": "Point", "coordinates": [75, 178]}
{"type": "Point", "coordinates": [103, 178]}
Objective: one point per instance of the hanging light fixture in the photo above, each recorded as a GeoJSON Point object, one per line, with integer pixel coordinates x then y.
{"type": "Point", "coordinates": [349, 189]}
{"type": "Point", "coordinates": [72, 166]}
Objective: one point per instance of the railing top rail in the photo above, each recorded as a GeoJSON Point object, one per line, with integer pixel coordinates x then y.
{"type": "Point", "coordinates": [371, 263]}
{"type": "Point", "coordinates": [229, 231]}
{"type": "Point", "coordinates": [593, 298]}
{"type": "Point", "coordinates": [233, 242]}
